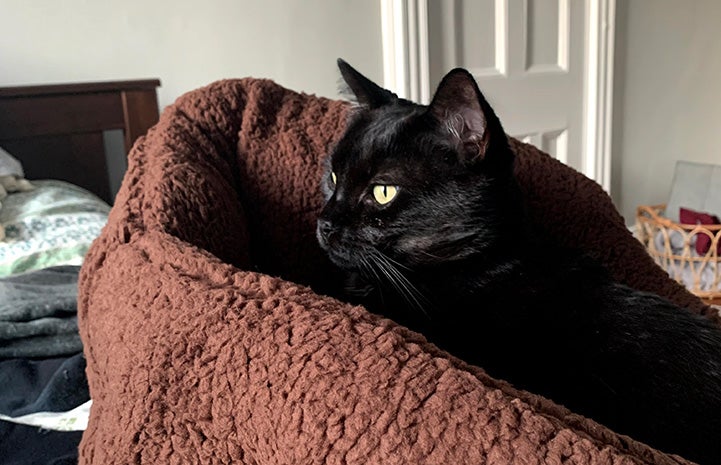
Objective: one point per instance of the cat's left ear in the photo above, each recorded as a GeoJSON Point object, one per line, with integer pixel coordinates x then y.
{"type": "Point", "coordinates": [367, 92]}
{"type": "Point", "coordinates": [464, 113]}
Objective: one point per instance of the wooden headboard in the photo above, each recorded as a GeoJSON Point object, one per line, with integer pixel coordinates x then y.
{"type": "Point", "coordinates": [57, 131]}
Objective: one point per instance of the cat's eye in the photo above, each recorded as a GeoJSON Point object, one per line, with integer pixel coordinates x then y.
{"type": "Point", "coordinates": [333, 178]}
{"type": "Point", "coordinates": [383, 193]}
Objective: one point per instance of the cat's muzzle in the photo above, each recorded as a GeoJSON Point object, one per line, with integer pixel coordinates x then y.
{"type": "Point", "coordinates": [325, 232]}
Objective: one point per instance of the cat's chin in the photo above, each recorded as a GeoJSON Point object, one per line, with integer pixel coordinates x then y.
{"type": "Point", "coordinates": [343, 261]}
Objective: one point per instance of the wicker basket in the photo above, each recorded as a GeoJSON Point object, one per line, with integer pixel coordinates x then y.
{"type": "Point", "coordinates": [672, 245]}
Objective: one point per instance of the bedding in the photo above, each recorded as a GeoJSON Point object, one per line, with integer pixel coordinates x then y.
{"type": "Point", "coordinates": [9, 165]}
{"type": "Point", "coordinates": [38, 313]}
{"type": "Point", "coordinates": [44, 399]}
{"type": "Point", "coordinates": [54, 132]}
{"type": "Point", "coordinates": [41, 408]}
{"type": "Point", "coordinates": [30, 445]}
{"type": "Point", "coordinates": [11, 180]}
{"type": "Point", "coordinates": [45, 392]}
{"type": "Point", "coordinates": [51, 225]}
{"type": "Point", "coordinates": [211, 332]}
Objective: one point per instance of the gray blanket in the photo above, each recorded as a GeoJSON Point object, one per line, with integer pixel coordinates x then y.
{"type": "Point", "coordinates": [38, 313]}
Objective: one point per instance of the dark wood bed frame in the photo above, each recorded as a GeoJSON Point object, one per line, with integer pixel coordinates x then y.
{"type": "Point", "coordinates": [57, 131]}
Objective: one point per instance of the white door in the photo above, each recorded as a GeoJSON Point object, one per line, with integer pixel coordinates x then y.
{"type": "Point", "coordinates": [528, 59]}
{"type": "Point", "coordinates": [546, 66]}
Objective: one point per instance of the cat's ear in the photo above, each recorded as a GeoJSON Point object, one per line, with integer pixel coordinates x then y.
{"type": "Point", "coordinates": [366, 91]}
{"type": "Point", "coordinates": [465, 114]}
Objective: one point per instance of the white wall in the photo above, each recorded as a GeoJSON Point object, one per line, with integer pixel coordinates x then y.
{"type": "Point", "coordinates": [187, 43]}
{"type": "Point", "coordinates": [667, 96]}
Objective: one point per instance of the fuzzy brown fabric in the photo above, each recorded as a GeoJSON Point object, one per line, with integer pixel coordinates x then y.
{"type": "Point", "coordinates": [205, 343]}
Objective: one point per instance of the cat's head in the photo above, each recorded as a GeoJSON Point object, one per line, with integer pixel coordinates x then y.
{"type": "Point", "coordinates": [416, 184]}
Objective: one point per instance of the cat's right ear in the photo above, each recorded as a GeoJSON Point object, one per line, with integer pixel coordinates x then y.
{"type": "Point", "coordinates": [366, 91]}
{"type": "Point", "coordinates": [468, 119]}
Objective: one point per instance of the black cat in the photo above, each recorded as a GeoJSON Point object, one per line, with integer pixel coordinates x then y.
{"type": "Point", "coordinates": [423, 210]}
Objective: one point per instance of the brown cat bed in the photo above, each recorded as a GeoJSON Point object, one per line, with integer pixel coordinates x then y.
{"type": "Point", "coordinates": [199, 353]}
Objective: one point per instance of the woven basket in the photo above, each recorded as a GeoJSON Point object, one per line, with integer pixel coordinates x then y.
{"type": "Point", "coordinates": [672, 245]}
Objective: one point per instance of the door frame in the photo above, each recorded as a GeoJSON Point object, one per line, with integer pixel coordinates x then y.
{"type": "Point", "coordinates": [404, 26]}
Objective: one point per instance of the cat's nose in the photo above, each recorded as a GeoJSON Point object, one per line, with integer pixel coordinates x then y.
{"type": "Point", "coordinates": [325, 230]}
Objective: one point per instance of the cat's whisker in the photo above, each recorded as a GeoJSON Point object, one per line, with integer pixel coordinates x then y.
{"type": "Point", "coordinates": [400, 282]}
{"type": "Point", "coordinates": [430, 255]}
{"type": "Point", "coordinates": [395, 262]}
{"type": "Point", "coordinates": [367, 265]}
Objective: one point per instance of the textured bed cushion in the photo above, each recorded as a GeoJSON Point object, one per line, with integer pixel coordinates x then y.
{"type": "Point", "coordinates": [209, 339]}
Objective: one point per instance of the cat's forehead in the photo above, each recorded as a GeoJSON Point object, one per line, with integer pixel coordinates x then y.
{"type": "Point", "coordinates": [378, 135]}
{"type": "Point", "coordinates": [384, 126]}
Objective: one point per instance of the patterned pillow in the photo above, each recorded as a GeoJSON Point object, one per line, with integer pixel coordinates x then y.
{"type": "Point", "coordinates": [54, 224]}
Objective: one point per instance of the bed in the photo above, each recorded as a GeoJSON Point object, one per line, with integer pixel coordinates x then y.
{"type": "Point", "coordinates": [70, 142]}
{"type": "Point", "coordinates": [213, 336]}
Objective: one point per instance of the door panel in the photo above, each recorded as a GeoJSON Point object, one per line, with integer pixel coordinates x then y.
{"type": "Point", "coordinates": [527, 56]}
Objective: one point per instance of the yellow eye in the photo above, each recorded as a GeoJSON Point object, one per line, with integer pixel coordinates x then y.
{"type": "Point", "coordinates": [384, 194]}
{"type": "Point", "coordinates": [333, 178]}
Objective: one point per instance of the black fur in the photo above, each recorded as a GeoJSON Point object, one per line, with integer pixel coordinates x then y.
{"type": "Point", "coordinates": [451, 258]}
